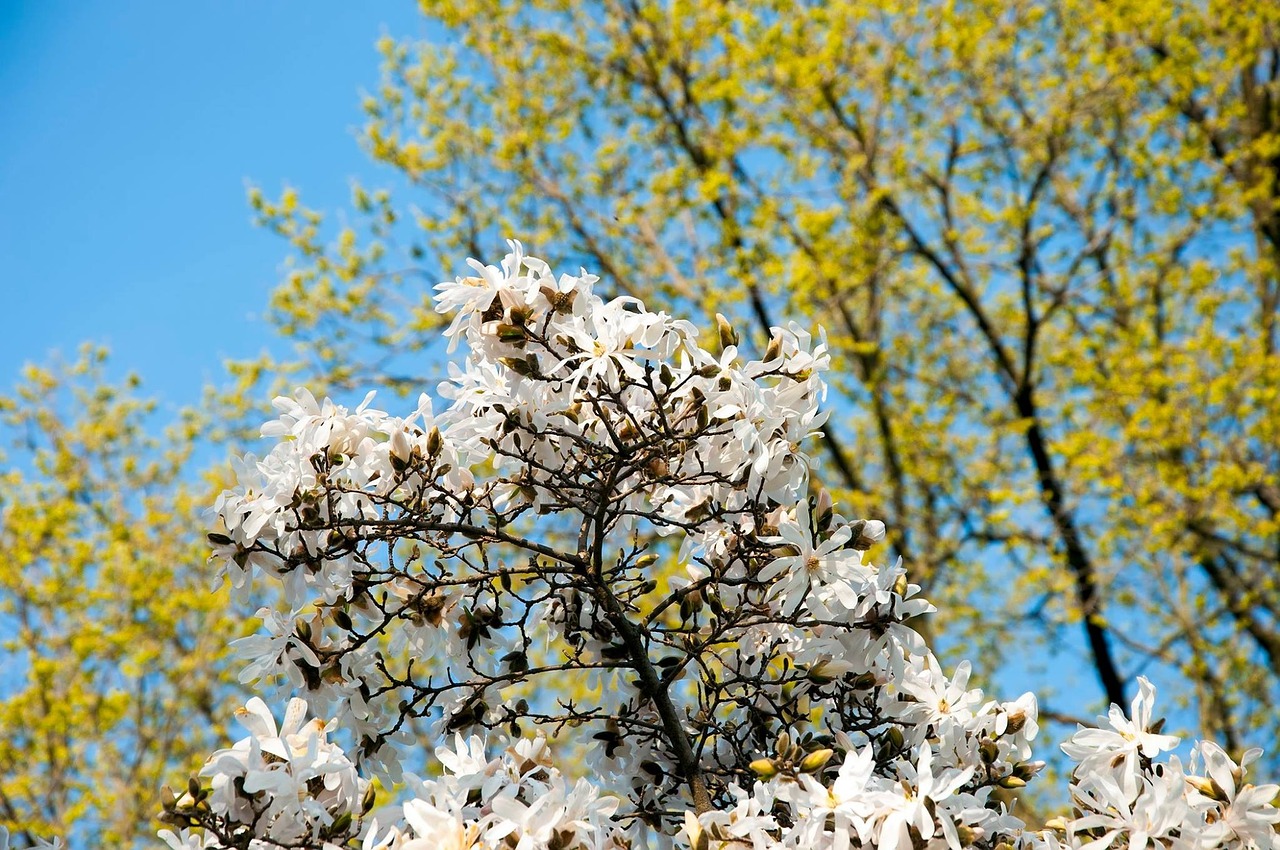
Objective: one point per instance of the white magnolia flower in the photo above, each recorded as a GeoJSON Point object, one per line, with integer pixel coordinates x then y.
{"type": "Point", "coordinates": [846, 807]}
{"type": "Point", "coordinates": [1125, 740]}
{"type": "Point", "coordinates": [946, 701]}
{"type": "Point", "coordinates": [436, 829]}
{"type": "Point", "coordinates": [1156, 812]}
{"type": "Point", "coordinates": [1247, 812]}
{"type": "Point", "coordinates": [825, 564]}
{"type": "Point", "coordinates": [287, 782]}
{"type": "Point", "coordinates": [910, 809]}
{"type": "Point", "coordinates": [182, 840]}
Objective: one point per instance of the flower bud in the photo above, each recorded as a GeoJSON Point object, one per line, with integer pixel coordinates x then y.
{"type": "Point", "coordinates": [764, 768]}
{"type": "Point", "coordinates": [520, 365]}
{"type": "Point", "coordinates": [774, 351]}
{"type": "Point", "coordinates": [1207, 787]}
{"type": "Point", "coordinates": [690, 604]}
{"type": "Point", "coordinates": [728, 336]}
{"type": "Point", "coordinates": [867, 533]}
{"type": "Point", "coordinates": [698, 839]}
{"type": "Point", "coordinates": [896, 739]}
{"type": "Point", "coordinates": [816, 760]}
{"type": "Point", "coordinates": [818, 673]}
{"type": "Point", "coordinates": [340, 824]}
{"type": "Point", "coordinates": [824, 509]}
{"type": "Point", "coordinates": [1027, 769]}
{"type": "Point", "coordinates": [865, 681]}
{"type": "Point", "coordinates": [511, 333]}
{"type": "Point", "coordinates": [401, 449]}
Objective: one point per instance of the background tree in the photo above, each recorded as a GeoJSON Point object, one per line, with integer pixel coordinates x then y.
{"type": "Point", "coordinates": [1041, 236]}
{"type": "Point", "coordinates": [115, 672]}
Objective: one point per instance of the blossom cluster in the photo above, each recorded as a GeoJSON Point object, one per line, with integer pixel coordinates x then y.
{"type": "Point", "coordinates": [560, 391]}
{"type": "Point", "coordinates": [518, 799]}
{"type": "Point", "coordinates": [1125, 797]}
{"type": "Point", "coordinates": [611, 503]}
{"type": "Point", "coordinates": [277, 787]}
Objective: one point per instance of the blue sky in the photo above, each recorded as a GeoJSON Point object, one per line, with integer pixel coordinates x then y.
{"type": "Point", "coordinates": [130, 132]}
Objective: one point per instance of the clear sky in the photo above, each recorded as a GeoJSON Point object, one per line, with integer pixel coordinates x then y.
{"type": "Point", "coordinates": [128, 132]}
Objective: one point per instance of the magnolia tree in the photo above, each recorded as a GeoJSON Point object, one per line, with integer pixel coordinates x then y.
{"type": "Point", "coordinates": [488, 572]}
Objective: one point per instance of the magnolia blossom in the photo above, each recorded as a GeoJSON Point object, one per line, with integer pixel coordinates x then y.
{"type": "Point", "coordinates": [1126, 738]}
{"type": "Point", "coordinates": [830, 563]}
{"type": "Point", "coordinates": [1248, 813]}
{"type": "Point", "coordinates": [850, 801]}
{"type": "Point", "coordinates": [280, 785]}
{"type": "Point", "coordinates": [600, 528]}
{"type": "Point", "coordinates": [911, 812]}
{"type": "Point", "coordinates": [1128, 798]}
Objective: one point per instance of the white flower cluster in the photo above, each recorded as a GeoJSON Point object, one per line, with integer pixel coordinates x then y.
{"type": "Point", "coordinates": [516, 800]}
{"type": "Point", "coordinates": [276, 787]}
{"type": "Point", "coordinates": [330, 465]}
{"type": "Point", "coordinates": [857, 807]}
{"type": "Point", "coordinates": [1125, 798]}
{"type": "Point", "coordinates": [764, 690]}
{"type": "Point", "coordinates": [554, 371]}
{"type": "Point", "coordinates": [556, 378]}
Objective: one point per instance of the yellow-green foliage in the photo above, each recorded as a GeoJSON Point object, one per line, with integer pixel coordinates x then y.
{"type": "Point", "coordinates": [113, 673]}
{"type": "Point", "coordinates": [1042, 237]}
